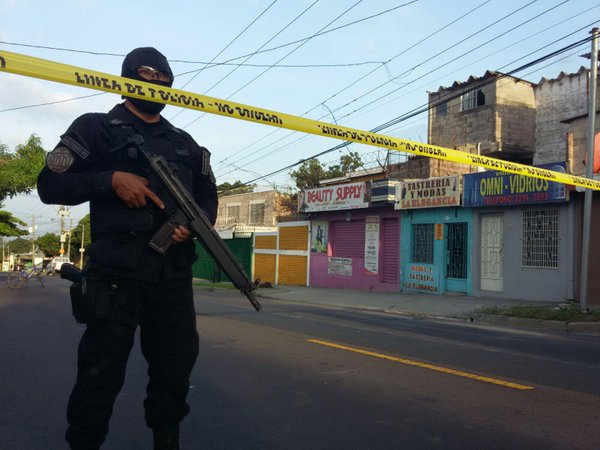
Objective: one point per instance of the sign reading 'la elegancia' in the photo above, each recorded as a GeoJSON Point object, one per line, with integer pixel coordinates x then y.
{"type": "Point", "coordinates": [430, 193]}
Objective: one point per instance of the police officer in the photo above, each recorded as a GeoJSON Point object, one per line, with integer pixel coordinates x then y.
{"type": "Point", "coordinates": [129, 283]}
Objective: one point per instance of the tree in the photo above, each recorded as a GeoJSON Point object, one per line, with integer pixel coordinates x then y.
{"type": "Point", "coordinates": [311, 171]}
{"type": "Point", "coordinates": [49, 243]}
{"type": "Point", "coordinates": [18, 174]}
{"type": "Point", "coordinates": [348, 164]}
{"type": "Point", "coordinates": [19, 170]}
{"type": "Point", "coordinates": [20, 245]}
{"type": "Point", "coordinates": [308, 174]}
{"type": "Point", "coordinates": [236, 187]}
{"type": "Point", "coordinates": [83, 225]}
{"type": "Point", "coordinates": [9, 225]}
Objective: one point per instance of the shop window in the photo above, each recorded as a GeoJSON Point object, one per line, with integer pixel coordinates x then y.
{"type": "Point", "coordinates": [257, 213]}
{"type": "Point", "coordinates": [422, 243]}
{"type": "Point", "coordinates": [472, 99]}
{"type": "Point", "coordinates": [539, 247]}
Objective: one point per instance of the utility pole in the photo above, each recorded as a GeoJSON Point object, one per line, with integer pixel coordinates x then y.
{"type": "Point", "coordinates": [589, 173]}
{"type": "Point", "coordinates": [32, 229]}
{"type": "Point", "coordinates": [69, 245]}
{"type": "Point", "coordinates": [62, 213]}
{"type": "Point", "coordinates": [82, 248]}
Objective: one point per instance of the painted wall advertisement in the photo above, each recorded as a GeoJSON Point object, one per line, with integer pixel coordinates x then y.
{"type": "Point", "coordinates": [332, 198]}
{"type": "Point", "coordinates": [500, 188]}
{"type": "Point", "coordinates": [430, 193]}
{"type": "Point", "coordinates": [421, 277]}
{"type": "Point", "coordinates": [319, 236]}
{"type": "Point", "coordinates": [339, 266]}
{"type": "Point", "coordinates": [371, 245]}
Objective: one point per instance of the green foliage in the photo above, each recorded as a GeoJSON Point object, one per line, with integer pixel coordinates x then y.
{"type": "Point", "coordinates": [311, 171]}
{"type": "Point", "coordinates": [308, 174]}
{"type": "Point", "coordinates": [236, 187]}
{"type": "Point", "coordinates": [20, 245]}
{"type": "Point", "coordinates": [19, 170]}
{"type": "Point", "coordinates": [18, 174]}
{"type": "Point", "coordinates": [83, 225]}
{"type": "Point", "coordinates": [49, 243]}
{"type": "Point", "coordinates": [9, 225]}
{"type": "Point", "coordinates": [566, 313]}
{"type": "Point", "coordinates": [348, 164]}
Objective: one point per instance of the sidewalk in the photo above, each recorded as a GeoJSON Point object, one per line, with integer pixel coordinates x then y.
{"type": "Point", "coordinates": [457, 307]}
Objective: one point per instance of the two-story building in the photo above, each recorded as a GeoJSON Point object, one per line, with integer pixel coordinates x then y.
{"type": "Point", "coordinates": [252, 211]}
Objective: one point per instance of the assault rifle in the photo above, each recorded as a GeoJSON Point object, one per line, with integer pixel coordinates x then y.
{"type": "Point", "coordinates": [194, 218]}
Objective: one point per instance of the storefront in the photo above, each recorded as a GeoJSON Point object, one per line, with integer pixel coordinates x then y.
{"type": "Point", "coordinates": [436, 236]}
{"type": "Point", "coordinates": [354, 244]}
{"type": "Point", "coordinates": [523, 229]}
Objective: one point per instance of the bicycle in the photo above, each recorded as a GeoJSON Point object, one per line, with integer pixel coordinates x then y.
{"type": "Point", "coordinates": [17, 280]}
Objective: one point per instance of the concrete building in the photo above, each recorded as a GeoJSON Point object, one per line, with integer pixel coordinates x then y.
{"type": "Point", "coordinates": [493, 115]}
{"type": "Point", "coordinates": [246, 213]}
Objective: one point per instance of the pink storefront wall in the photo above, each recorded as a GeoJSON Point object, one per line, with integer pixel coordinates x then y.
{"type": "Point", "coordinates": [359, 280]}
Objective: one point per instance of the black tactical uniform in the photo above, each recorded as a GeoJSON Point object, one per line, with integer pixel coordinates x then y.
{"type": "Point", "coordinates": [139, 285]}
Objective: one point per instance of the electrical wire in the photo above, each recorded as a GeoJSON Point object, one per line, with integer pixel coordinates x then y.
{"type": "Point", "coordinates": [198, 72]}
{"type": "Point", "coordinates": [365, 76]}
{"type": "Point", "coordinates": [285, 56]}
{"type": "Point", "coordinates": [320, 33]}
{"type": "Point", "coordinates": [401, 87]}
{"type": "Point", "coordinates": [406, 116]}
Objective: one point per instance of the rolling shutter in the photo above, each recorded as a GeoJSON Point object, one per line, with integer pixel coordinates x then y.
{"type": "Point", "coordinates": [348, 239]}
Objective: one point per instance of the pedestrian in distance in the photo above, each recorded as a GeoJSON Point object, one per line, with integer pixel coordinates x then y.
{"type": "Point", "coordinates": [128, 283]}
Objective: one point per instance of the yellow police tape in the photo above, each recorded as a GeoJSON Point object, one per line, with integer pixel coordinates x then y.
{"type": "Point", "coordinates": [77, 76]}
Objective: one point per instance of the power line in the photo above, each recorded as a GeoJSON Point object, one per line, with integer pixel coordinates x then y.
{"type": "Point", "coordinates": [320, 33]}
{"type": "Point", "coordinates": [288, 54]}
{"type": "Point", "coordinates": [498, 51]}
{"type": "Point", "coordinates": [249, 56]}
{"type": "Point", "coordinates": [366, 75]}
{"type": "Point", "coordinates": [198, 72]}
{"type": "Point", "coordinates": [406, 116]}
{"type": "Point", "coordinates": [406, 84]}
{"type": "Point", "coordinates": [51, 103]}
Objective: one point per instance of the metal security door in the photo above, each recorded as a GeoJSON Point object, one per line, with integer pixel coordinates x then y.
{"type": "Point", "coordinates": [492, 259]}
{"type": "Point", "coordinates": [456, 257]}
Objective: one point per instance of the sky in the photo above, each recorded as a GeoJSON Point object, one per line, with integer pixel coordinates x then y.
{"type": "Point", "coordinates": [358, 63]}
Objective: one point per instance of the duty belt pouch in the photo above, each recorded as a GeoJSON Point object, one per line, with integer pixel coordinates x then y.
{"type": "Point", "coordinates": [91, 299]}
{"type": "Point", "coordinates": [78, 294]}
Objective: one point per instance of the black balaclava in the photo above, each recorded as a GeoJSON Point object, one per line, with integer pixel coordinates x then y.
{"type": "Point", "coordinates": [146, 56]}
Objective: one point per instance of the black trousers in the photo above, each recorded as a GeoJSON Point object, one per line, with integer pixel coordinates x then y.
{"type": "Point", "coordinates": [169, 341]}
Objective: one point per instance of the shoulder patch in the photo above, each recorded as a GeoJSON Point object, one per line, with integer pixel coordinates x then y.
{"type": "Point", "coordinates": [79, 149]}
{"type": "Point", "coordinates": [60, 159]}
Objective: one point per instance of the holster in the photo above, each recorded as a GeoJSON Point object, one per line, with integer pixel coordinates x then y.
{"type": "Point", "coordinates": [92, 299]}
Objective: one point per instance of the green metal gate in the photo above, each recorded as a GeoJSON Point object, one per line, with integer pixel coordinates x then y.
{"type": "Point", "coordinates": [206, 268]}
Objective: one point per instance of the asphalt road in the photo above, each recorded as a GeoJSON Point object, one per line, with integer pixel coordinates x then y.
{"type": "Point", "coordinates": [297, 376]}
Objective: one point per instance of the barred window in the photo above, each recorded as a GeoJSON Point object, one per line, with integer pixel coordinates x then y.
{"type": "Point", "coordinates": [257, 213]}
{"type": "Point", "coordinates": [422, 243]}
{"type": "Point", "coordinates": [233, 213]}
{"type": "Point", "coordinates": [472, 99]}
{"type": "Point", "coordinates": [539, 248]}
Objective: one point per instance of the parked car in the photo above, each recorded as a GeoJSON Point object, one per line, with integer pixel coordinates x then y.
{"type": "Point", "coordinates": [55, 263]}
